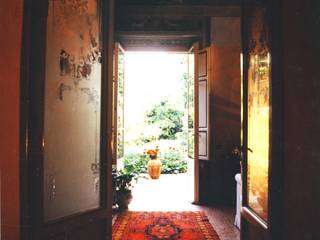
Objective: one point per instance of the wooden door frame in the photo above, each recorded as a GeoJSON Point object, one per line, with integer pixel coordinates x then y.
{"type": "Point", "coordinates": [115, 79]}
{"type": "Point", "coordinates": [195, 47]}
{"type": "Point", "coordinates": [195, 50]}
{"type": "Point", "coordinates": [276, 168]}
{"type": "Point", "coordinates": [117, 49]}
{"type": "Point", "coordinates": [32, 75]}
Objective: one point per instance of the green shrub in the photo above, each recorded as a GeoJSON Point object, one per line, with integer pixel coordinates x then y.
{"type": "Point", "coordinates": [172, 162]}
{"type": "Point", "coordinates": [135, 163]}
{"type": "Point", "coordinates": [167, 117]}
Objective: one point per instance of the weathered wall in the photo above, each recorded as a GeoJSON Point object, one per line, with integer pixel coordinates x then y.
{"type": "Point", "coordinates": [300, 56]}
{"type": "Point", "coordinates": [224, 108]}
{"type": "Point", "coordinates": [10, 46]}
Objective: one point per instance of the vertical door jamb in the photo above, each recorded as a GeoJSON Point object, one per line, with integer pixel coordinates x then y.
{"type": "Point", "coordinates": [195, 49]}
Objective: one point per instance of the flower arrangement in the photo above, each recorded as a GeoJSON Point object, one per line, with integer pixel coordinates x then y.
{"type": "Point", "coordinates": [152, 153]}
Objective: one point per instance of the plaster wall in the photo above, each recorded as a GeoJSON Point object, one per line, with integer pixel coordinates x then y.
{"type": "Point", "coordinates": [10, 46]}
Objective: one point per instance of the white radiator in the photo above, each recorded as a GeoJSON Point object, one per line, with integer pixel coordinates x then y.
{"type": "Point", "coordinates": [239, 200]}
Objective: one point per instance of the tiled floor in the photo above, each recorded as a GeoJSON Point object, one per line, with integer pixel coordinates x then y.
{"type": "Point", "coordinates": [171, 193]}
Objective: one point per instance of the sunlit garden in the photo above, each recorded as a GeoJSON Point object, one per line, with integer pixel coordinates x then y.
{"type": "Point", "coordinates": [155, 112]}
{"type": "Point", "coordinates": [163, 128]}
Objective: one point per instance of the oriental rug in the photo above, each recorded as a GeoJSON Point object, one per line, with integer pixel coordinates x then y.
{"type": "Point", "coordinates": [163, 225]}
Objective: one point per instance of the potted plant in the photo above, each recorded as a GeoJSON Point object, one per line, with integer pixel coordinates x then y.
{"type": "Point", "coordinates": [123, 181]}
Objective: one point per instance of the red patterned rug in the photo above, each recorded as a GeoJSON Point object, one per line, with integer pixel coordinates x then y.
{"type": "Point", "coordinates": [163, 225]}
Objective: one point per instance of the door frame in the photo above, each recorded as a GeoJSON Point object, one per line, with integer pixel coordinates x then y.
{"type": "Point", "coordinates": [273, 226]}
{"type": "Point", "coordinates": [194, 49]}
{"type": "Point", "coordinates": [32, 75]}
{"type": "Point", "coordinates": [117, 49]}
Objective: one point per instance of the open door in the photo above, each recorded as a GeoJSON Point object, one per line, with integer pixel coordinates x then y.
{"type": "Point", "coordinates": [193, 116]}
{"type": "Point", "coordinates": [65, 171]}
{"type": "Point", "coordinates": [261, 168]}
{"type": "Point", "coordinates": [118, 103]}
{"type": "Point", "coordinates": [198, 114]}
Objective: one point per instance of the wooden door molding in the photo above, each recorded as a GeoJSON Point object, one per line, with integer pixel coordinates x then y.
{"type": "Point", "coordinates": [204, 78]}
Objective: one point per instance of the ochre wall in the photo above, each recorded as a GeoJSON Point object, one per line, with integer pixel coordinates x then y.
{"type": "Point", "coordinates": [224, 108]}
{"type": "Point", "coordinates": [301, 79]}
{"type": "Point", "coordinates": [10, 46]}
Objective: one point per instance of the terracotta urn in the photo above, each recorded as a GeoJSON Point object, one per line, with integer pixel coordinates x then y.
{"type": "Point", "coordinates": [154, 167]}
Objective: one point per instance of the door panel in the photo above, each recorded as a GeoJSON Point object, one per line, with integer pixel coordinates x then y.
{"type": "Point", "coordinates": [65, 171]}
{"type": "Point", "coordinates": [257, 126]}
{"type": "Point", "coordinates": [198, 112]}
{"type": "Point", "coordinates": [203, 96]}
{"type": "Point", "coordinates": [91, 231]}
{"type": "Point", "coordinates": [203, 67]}
{"type": "Point", "coordinates": [258, 133]}
{"type": "Point", "coordinates": [203, 104]}
{"type": "Point", "coordinates": [203, 138]}
{"type": "Point", "coordinates": [259, 218]}
{"type": "Point", "coordinates": [71, 138]}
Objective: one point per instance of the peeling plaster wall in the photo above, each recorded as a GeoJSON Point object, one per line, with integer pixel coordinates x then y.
{"type": "Point", "coordinates": [10, 46]}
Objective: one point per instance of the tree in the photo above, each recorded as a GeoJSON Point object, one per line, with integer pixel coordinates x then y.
{"type": "Point", "coordinates": [167, 117]}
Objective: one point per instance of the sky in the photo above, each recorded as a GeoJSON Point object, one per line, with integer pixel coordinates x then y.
{"type": "Point", "coordinates": [151, 77]}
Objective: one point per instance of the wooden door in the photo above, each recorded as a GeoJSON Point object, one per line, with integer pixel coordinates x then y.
{"type": "Point", "coordinates": [66, 169]}
{"type": "Point", "coordinates": [118, 103]}
{"type": "Point", "coordinates": [261, 173]}
{"type": "Point", "coordinates": [193, 122]}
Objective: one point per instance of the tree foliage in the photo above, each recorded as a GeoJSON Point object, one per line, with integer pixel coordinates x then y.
{"type": "Point", "coordinates": [167, 117]}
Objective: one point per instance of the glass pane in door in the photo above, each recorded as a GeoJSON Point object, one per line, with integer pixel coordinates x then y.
{"type": "Point", "coordinates": [258, 133]}
{"type": "Point", "coordinates": [71, 138]}
{"type": "Point", "coordinates": [191, 104]}
{"type": "Point", "coordinates": [120, 108]}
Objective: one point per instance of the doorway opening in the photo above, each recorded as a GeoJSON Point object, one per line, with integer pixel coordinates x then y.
{"type": "Point", "coordinates": [171, 192]}
{"type": "Point", "coordinates": [162, 99]}
{"type": "Point", "coordinates": [153, 100]}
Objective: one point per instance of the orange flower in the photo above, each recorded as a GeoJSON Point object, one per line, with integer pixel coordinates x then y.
{"type": "Point", "coordinates": [153, 153]}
